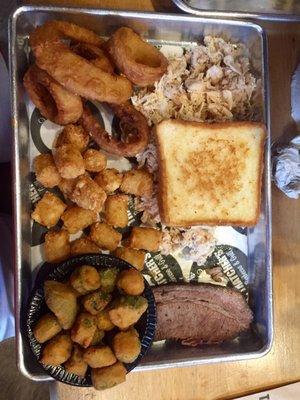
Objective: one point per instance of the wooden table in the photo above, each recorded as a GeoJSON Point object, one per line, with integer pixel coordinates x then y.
{"type": "Point", "coordinates": [282, 364]}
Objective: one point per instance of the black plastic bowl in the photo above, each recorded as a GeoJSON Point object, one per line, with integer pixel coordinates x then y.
{"type": "Point", "coordinates": [61, 272]}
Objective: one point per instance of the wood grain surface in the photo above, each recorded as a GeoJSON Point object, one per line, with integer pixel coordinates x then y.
{"type": "Point", "coordinates": [282, 364]}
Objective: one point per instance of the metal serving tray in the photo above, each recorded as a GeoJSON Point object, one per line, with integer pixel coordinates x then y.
{"type": "Point", "coordinates": [162, 28]}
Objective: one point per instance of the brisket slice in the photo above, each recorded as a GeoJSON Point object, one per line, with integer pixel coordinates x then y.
{"type": "Point", "coordinates": [200, 314]}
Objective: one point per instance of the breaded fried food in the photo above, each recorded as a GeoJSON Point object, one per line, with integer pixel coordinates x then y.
{"type": "Point", "coordinates": [85, 279]}
{"type": "Point", "coordinates": [46, 328]}
{"type": "Point", "coordinates": [127, 346]}
{"type": "Point", "coordinates": [138, 182]}
{"type": "Point", "coordinates": [84, 329]}
{"type": "Point", "coordinates": [58, 350]}
{"type": "Point", "coordinates": [145, 238]}
{"type": "Point", "coordinates": [97, 338]}
{"type": "Point", "coordinates": [77, 218]}
{"type": "Point", "coordinates": [94, 160]}
{"type": "Point", "coordinates": [107, 377]}
{"type": "Point", "coordinates": [66, 186]}
{"type": "Point", "coordinates": [96, 301]}
{"type": "Point", "coordinates": [48, 210]}
{"type": "Point", "coordinates": [116, 210]}
{"type": "Point", "coordinates": [109, 179]}
{"type": "Point", "coordinates": [131, 282]}
{"type": "Point", "coordinates": [99, 356]}
{"type": "Point", "coordinates": [134, 257]}
{"type": "Point", "coordinates": [68, 161]}
{"type": "Point", "coordinates": [103, 321]}
{"type": "Point", "coordinates": [46, 171]}
{"type": "Point", "coordinates": [127, 310]}
{"type": "Point", "coordinates": [87, 194]}
{"type": "Point", "coordinates": [75, 364]}
{"type": "Point", "coordinates": [57, 246]}
{"type": "Point", "coordinates": [62, 301]}
{"type": "Point", "coordinates": [73, 135]}
{"type": "Point", "coordinates": [83, 245]}
{"type": "Point", "coordinates": [108, 277]}
{"type": "Point", "coordinates": [105, 236]}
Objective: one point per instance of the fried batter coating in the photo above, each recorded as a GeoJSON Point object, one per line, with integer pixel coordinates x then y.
{"type": "Point", "coordinates": [87, 194]}
{"type": "Point", "coordinates": [103, 321]}
{"type": "Point", "coordinates": [83, 246]}
{"type": "Point", "coordinates": [67, 186]}
{"type": "Point", "coordinates": [131, 282]}
{"type": "Point", "coordinates": [94, 160]}
{"type": "Point", "coordinates": [107, 377]}
{"type": "Point", "coordinates": [58, 350]}
{"type": "Point", "coordinates": [105, 236]}
{"type": "Point", "coordinates": [68, 161]}
{"type": "Point", "coordinates": [108, 277]}
{"type": "Point", "coordinates": [73, 135]}
{"type": "Point", "coordinates": [145, 238]}
{"type": "Point", "coordinates": [138, 182]}
{"type": "Point", "coordinates": [46, 328]}
{"type": "Point", "coordinates": [99, 356]}
{"type": "Point", "coordinates": [116, 210]}
{"type": "Point", "coordinates": [57, 246]}
{"type": "Point", "coordinates": [127, 310]}
{"type": "Point", "coordinates": [97, 338]}
{"type": "Point", "coordinates": [109, 179]}
{"type": "Point", "coordinates": [48, 210]}
{"type": "Point", "coordinates": [84, 329]}
{"type": "Point", "coordinates": [134, 257]}
{"type": "Point", "coordinates": [75, 364]}
{"type": "Point", "coordinates": [85, 279]}
{"type": "Point", "coordinates": [96, 301]}
{"type": "Point", "coordinates": [46, 171]}
{"type": "Point", "coordinates": [127, 346]}
{"type": "Point", "coordinates": [76, 218]}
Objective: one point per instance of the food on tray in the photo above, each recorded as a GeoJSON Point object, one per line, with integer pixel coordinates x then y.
{"type": "Point", "coordinates": [108, 278]}
{"type": "Point", "coordinates": [133, 126]}
{"type": "Point", "coordinates": [107, 377]}
{"type": "Point", "coordinates": [116, 210]}
{"type": "Point", "coordinates": [75, 364]}
{"type": "Point", "coordinates": [83, 330]}
{"type": "Point", "coordinates": [53, 101]}
{"type": "Point", "coordinates": [48, 210]}
{"type": "Point", "coordinates": [87, 194]}
{"type": "Point", "coordinates": [127, 310]}
{"type": "Point", "coordinates": [73, 135]}
{"type": "Point", "coordinates": [142, 63]}
{"type": "Point", "coordinates": [145, 238]}
{"type": "Point", "coordinates": [181, 310]}
{"type": "Point", "coordinates": [99, 356]}
{"type": "Point", "coordinates": [46, 327]}
{"type": "Point", "coordinates": [138, 182]}
{"type": "Point", "coordinates": [127, 346]}
{"type": "Point", "coordinates": [66, 186]}
{"type": "Point", "coordinates": [105, 236]}
{"type": "Point", "coordinates": [109, 179]}
{"type": "Point", "coordinates": [75, 73]}
{"type": "Point", "coordinates": [94, 54]}
{"type": "Point", "coordinates": [103, 321]}
{"type": "Point", "coordinates": [76, 218]}
{"type": "Point", "coordinates": [57, 350]}
{"type": "Point", "coordinates": [83, 245]}
{"type": "Point", "coordinates": [97, 338]}
{"type": "Point", "coordinates": [68, 161]}
{"type": "Point", "coordinates": [131, 282]}
{"type": "Point", "coordinates": [85, 279]}
{"type": "Point", "coordinates": [134, 257]}
{"type": "Point", "coordinates": [46, 171]}
{"type": "Point", "coordinates": [57, 245]}
{"type": "Point", "coordinates": [210, 173]}
{"type": "Point", "coordinates": [96, 301]}
{"type": "Point", "coordinates": [94, 160]}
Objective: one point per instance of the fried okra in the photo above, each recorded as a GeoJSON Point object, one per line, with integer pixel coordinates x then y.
{"type": "Point", "coordinates": [127, 346]}
{"type": "Point", "coordinates": [145, 238]}
{"type": "Point", "coordinates": [62, 301]}
{"type": "Point", "coordinates": [57, 246]}
{"type": "Point", "coordinates": [109, 179]}
{"type": "Point", "coordinates": [68, 161]}
{"type": "Point", "coordinates": [138, 182]}
{"type": "Point", "coordinates": [131, 282]}
{"type": "Point", "coordinates": [46, 171]}
{"type": "Point", "coordinates": [46, 328]}
{"type": "Point", "coordinates": [75, 364]}
{"type": "Point", "coordinates": [85, 279]}
{"type": "Point", "coordinates": [87, 194]}
{"type": "Point", "coordinates": [108, 277]}
{"type": "Point", "coordinates": [127, 310]}
{"type": "Point", "coordinates": [96, 301]}
{"type": "Point", "coordinates": [58, 350]}
{"type": "Point", "coordinates": [73, 135]}
{"type": "Point", "coordinates": [134, 257]}
{"type": "Point", "coordinates": [116, 210]}
{"type": "Point", "coordinates": [107, 377]}
{"type": "Point", "coordinates": [84, 329]}
{"type": "Point", "coordinates": [103, 321]}
{"type": "Point", "coordinates": [48, 210]}
{"type": "Point", "coordinates": [83, 246]}
{"type": "Point", "coordinates": [94, 160]}
{"type": "Point", "coordinates": [76, 218]}
{"type": "Point", "coordinates": [99, 356]}
{"type": "Point", "coordinates": [105, 236]}
{"type": "Point", "coordinates": [97, 338]}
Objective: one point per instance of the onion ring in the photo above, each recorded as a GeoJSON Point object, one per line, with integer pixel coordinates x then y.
{"type": "Point", "coordinates": [73, 72]}
{"type": "Point", "coordinates": [135, 131]}
{"type": "Point", "coordinates": [141, 62]}
{"type": "Point", "coordinates": [93, 54]}
{"type": "Point", "coordinates": [54, 102]}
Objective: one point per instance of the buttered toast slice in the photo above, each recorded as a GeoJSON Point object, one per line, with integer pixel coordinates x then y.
{"type": "Point", "coordinates": [209, 173]}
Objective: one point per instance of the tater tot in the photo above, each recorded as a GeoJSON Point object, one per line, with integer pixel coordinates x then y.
{"type": "Point", "coordinates": [67, 186]}
{"type": "Point", "coordinates": [109, 179]}
{"type": "Point", "coordinates": [87, 194]}
{"type": "Point", "coordinates": [58, 350]}
{"type": "Point", "coordinates": [97, 338]}
{"type": "Point", "coordinates": [46, 171]}
{"type": "Point", "coordinates": [48, 210]}
{"type": "Point", "coordinates": [105, 378]}
{"type": "Point", "coordinates": [145, 238]}
{"type": "Point", "coordinates": [68, 161]}
{"type": "Point", "coordinates": [57, 246]}
{"type": "Point", "coordinates": [103, 321]}
{"type": "Point", "coordinates": [131, 282]}
{"type": "Point", "coordinates": [62, 301]}
{"type": "Point", "coordinates": [83, 246]}
{"type": "Point", "coordinates": [74, 135]}
{"type": "Point", "coordinates": [96, 301]}
{"type": "Point", "coordinates": [116, 210]}
{"type": "Point", "coordinates": [75, 364]}
{"type": "Point", "coordinates": [84, 329]}
{"type": "Point", "coordinates": [108, 277]}
{"type": "Point", "coordinates": [46, 327]}
{"type": "Point", "coordinates": [105, 236]}
{"type": "Point", "coordinates": [76, 218]}
{"type": "Point", "coordinates": [85, 279]}
{"type": "Point", "coordinates": [94, 160]}
{"type": "Point", "coordinates": [99, 356]}
{"type": "Point", "coordinates": [134, 257]}
{"type": "Point", "coordinates": [138, 182]}
{"type": "Point", "coordinates": [127, 346]}
{"type": "Point", "coordinates": [127, 310]}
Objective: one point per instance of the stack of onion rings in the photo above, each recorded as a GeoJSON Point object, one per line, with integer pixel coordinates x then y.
{"type": "Point", "coordinates": [93, 54]}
